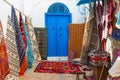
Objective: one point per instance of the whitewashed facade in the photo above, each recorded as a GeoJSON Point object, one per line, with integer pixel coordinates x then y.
{"type": "Point", "coordinates": [36, 9]}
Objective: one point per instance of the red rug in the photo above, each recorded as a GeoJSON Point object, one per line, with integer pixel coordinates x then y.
{"type": "Point", "coordinates": [57, 67]}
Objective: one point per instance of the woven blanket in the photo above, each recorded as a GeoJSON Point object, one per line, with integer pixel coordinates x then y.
{"type": "Point", "coordinates": [41, 36]}
{"type": "Point", "coordinates": [76, 32]}
{"type": "Point", "coordinates": [57, 67]}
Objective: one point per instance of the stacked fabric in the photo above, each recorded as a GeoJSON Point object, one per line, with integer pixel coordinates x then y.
{"type": "Point", "coordinates": [98, 58]}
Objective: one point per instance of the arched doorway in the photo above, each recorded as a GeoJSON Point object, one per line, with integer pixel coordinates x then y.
{"type": "Point", "coordinates": [57, 19]}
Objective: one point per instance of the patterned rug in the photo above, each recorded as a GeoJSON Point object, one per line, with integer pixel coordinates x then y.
{"type": "Point", "coordinates": [57, 67]}
{"type": "Point", "coordinates": [76, 32]}
{"type": "Point", "coordinates": [41, 35]}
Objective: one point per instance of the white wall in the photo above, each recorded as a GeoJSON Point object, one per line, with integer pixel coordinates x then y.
{"type": "Point", "coordinates": [40, 7]}
{"type": "Point", "coordinates": [5, 10]}
{"type": "Point", "coordinates": [36, 9]}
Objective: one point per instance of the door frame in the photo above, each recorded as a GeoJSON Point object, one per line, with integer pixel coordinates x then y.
{"type": "Point", "coordinates": [70, 19]}
{"type": "Point", "coordinates": [57, 14]}
{"type": "Point", "coordinates": [58, 9]}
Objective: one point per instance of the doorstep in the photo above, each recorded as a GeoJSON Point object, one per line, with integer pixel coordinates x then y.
{"type": "Point", "coordinates": [55, 58]}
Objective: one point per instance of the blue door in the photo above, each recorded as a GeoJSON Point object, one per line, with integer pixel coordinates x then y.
{"type": "Point", "coordinates": [62, 35]}
{"type": "Point", "coordinates": [51, 26]}
{"type": "Point", "coordinates": [57, 24]}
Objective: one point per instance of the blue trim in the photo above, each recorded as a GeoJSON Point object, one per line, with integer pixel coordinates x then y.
{"type": "Point", "coordinates": [70, 18]}
{"type": "Point", "coordinates": [58, 8]}
{"type": "Point", "coordinates": [57, 14]}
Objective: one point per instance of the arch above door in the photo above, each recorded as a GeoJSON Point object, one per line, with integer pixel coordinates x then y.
{"type": "Point", "coordinates": [58, 8]}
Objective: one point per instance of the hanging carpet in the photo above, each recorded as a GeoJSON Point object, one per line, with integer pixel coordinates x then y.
{"type": "Point", "coordinates": [90, 38]}
{"type": "Point", "coordinates": [31, 33]}
{"type": "Point", "coordinates": [19, 42]}
{"type": "Point", "coordinates": [41, 35]}
{"type": "Point", "coordinates": [76, 32]}
{"type": "Point", "coordinates": [26, 41]}
{"type": "Point", "coordinates": [13, 57]}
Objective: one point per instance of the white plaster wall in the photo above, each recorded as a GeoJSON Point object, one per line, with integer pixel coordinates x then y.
{"type": "Point", "coordinates": [37, 9]}
{"type": "Point", "coordinates": [5, 10]}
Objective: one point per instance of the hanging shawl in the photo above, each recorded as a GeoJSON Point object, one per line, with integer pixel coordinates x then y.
{"type": "Point", "coordinates": [4, 66]}
{"type": "Point", "coordinates": [33, 41]}
{"type": "Point", "coordinates": [108, 21]}
{"type": "Point", "coordinates": [99, 8]}
{"type": "Point", "coordinates": [110, 17]}
{"type": "Point", "coordinates": [13, 57]}
{"type": "Point", "coordinates": [30, 56]}
{"type": "Point", "coordinates": [108, 12]}
{"type": "Point", "coordinates": [26, 42]}
{"type": "Point", "coordinates": [100, 26]}
{"type": "Point", "coordinates": [22, 30]}
{"type": "Point", "coordinates": [19, 42]}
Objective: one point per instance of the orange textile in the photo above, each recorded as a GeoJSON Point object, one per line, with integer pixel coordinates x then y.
{"type": "Point", "coordinates": [4, 66]}
{"type": "Point", "coordinates": [23, 66]}
{"type": "Point", "coordinates": [24, 63]}
{"type": "Point", "coordinates": [76, 32]}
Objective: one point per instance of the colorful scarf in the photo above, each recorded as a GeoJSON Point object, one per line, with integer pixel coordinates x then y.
{"type": "Point", "coordinates": [30, 56]}
{"type": "Point", "coordinates": [22, 30]}
{"type": "Point", "coordinates": [19, 42]}
{"type": "Point", "coordinates": [29, 53]}
{"type": "Point", "coordinates": [108, 12]}
{"type": "Point", "coordinates": [4, 66]}
{"type": "Point", "coordinates": [99, 8]}
{"type": "Point", "coordinates": [13, 57]}
{"type": "Point", "coordinates": [33, 41]}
